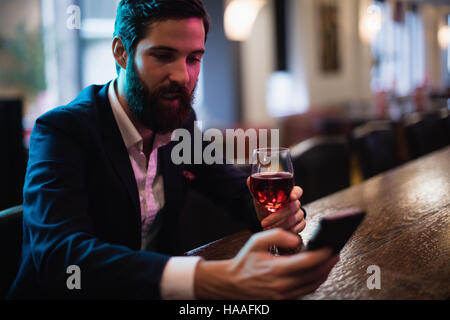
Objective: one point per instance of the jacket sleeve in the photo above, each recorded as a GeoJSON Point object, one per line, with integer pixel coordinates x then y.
{"type": "Point", "coordinates": [59, 231]}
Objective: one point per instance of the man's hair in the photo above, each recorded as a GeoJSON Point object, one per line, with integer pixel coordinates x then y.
{"type": "Point", "coordinates": [134, 17]}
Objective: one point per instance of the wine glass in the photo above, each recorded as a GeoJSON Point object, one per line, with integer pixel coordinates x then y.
{"type": "Point", "coordinates": [272, 179]}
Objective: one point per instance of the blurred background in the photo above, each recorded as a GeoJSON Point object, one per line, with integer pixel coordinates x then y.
{"type": "Point", "coordinates": [356, 87]}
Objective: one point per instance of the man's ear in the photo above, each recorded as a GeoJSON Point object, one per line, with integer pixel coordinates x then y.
{"type": "Point", "coordinates": [119, 52]}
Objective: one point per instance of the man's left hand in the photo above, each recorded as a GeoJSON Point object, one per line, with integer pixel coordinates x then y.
{"type": "Point", "coordinates": [290, 217]}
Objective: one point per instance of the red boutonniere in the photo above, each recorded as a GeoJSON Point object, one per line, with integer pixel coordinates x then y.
{"type": "Point", "coordinates": [188, 175]}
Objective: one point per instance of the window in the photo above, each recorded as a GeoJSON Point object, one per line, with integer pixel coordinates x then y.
{"type": "Point", "coordinates": [97, 29]}
{"type": "Point", "coordinates": [399, 51]}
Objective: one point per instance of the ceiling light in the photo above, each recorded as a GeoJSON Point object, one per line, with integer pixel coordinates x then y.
{"type": "Point", "coordinates": [240, 15]}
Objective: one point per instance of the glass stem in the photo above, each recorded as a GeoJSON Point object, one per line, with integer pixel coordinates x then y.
{"type": "Point", "coordinates": [274, 250]}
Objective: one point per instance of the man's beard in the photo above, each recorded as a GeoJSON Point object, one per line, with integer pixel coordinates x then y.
{"type": "Point", "coordinates": [146, 106]}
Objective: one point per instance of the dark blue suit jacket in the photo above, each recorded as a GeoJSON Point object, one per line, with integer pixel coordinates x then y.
{"type": "Point", "coordinates": [81, 206]}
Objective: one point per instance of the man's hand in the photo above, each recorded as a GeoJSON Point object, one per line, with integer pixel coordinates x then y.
{"type": "Point", "coordinates": [290, 217]}
{"type": "Point", "coordinates": [256, 274]}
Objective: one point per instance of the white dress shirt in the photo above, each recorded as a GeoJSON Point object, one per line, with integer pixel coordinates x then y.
{"type": "Point", "coordinates": [177, 281]}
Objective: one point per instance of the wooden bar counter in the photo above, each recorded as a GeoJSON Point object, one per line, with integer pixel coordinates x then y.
{"type": "Point", "coordinates": [406, 234]}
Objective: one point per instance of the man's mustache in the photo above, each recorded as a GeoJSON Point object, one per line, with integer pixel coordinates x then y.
{"type": "Point", "coordinates": [172, 89]}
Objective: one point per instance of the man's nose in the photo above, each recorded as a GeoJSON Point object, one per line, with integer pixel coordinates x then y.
{"type": "Point", "coordinates": [179, 73]}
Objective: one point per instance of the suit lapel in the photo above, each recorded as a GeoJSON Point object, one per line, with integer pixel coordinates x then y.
{"type": "Point", "coordinates": [116, 150]}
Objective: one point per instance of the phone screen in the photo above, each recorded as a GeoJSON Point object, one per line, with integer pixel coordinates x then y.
{"type": "Point", "coordinates": [335, 230]}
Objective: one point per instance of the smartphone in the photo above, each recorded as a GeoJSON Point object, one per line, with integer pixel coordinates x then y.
{"type": "Point", "coordinates": [336, 229]}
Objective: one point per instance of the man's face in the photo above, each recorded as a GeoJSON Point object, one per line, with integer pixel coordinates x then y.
{"type": "Point", "coordinates": [162, 76]}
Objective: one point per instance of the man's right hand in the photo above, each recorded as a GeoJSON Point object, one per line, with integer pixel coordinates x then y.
{"type": "Point", "coordinates": [256, 274]}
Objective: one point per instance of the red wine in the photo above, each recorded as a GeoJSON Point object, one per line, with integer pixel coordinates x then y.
{"type": "Point", "coordinates": [272, 189]}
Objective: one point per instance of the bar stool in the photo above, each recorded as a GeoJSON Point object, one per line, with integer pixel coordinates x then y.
{"type": "Point", "coordinates": [375, 145]}
{"type": "Point", "coordinates": [10, 246]}
{"type": "Point", "coordinates": [424, 133]}
{"type": "Point", "coordinates": [321, 166]}
{"type": "Point", "coordinates": [445, 122]}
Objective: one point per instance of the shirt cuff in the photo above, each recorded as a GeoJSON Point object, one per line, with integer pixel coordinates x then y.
{"type": "Point", "coordinates": [177, 282]}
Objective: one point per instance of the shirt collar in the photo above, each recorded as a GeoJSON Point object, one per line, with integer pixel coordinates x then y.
{"type": "Point", "coordinates": [129, 133]}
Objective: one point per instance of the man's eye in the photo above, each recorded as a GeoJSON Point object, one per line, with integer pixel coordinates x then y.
{"type": "Point", "coordinates": [194, 60]}
{"type": "Point", "coordinates": [162, 57]}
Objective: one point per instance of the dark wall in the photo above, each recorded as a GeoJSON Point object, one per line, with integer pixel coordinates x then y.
{"type": "Point", "coordinates": [12, 153]}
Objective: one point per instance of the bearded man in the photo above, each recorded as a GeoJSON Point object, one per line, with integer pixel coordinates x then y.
{"type": "Point", "coordinates": [102, 194]}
